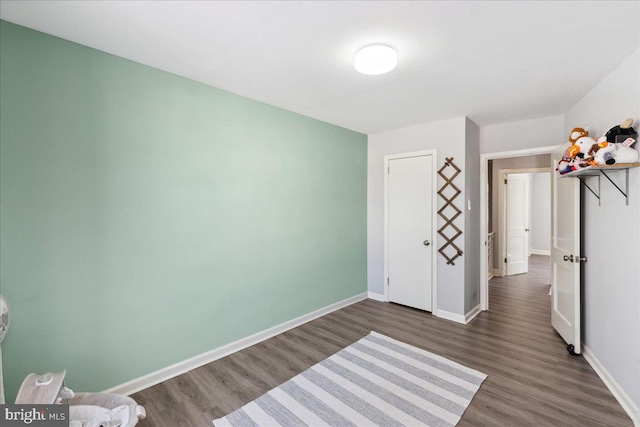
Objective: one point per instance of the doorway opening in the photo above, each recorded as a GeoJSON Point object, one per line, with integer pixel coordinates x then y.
{"type": "Point", "coordinates": [524, 233]}
{"type": "Point", "coordinates": [565, 238]}
{"type": "Point", "coordinates": [522, 216]}
{"type": "Point", "coordinates": [508, 246]}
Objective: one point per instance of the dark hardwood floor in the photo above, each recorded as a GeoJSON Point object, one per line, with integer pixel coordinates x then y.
{"type": "Point", "coordinates": [532, 380]}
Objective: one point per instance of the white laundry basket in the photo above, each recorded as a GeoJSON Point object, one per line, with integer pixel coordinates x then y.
{"type": "Point", "coordinates": [85, 409]}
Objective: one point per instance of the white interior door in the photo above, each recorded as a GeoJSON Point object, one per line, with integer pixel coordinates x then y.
{"type": "Point", "coordinates": [410, 234]}
{"type": "Point", "coordinates": [517, 223]}
{"type": "Point", "coordinates": [565, 258]}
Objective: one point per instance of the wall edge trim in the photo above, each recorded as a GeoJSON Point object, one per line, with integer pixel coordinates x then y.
{"type": "Point", "coordinates": [472, 314]}
{"type": "Point", "coordinates": [454, 317]}
{"type": "Point", "coordinates": [137, 384]}
{"type": "Point", "coordinates": [459, 318]}
{"type": "Point", "coordinates": [618, 392]}
{"type": "Point", "coordinates": [376, 296]}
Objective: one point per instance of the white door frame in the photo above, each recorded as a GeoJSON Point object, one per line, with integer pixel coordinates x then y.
{"type": "Point", "coordinates": [484, 204]}
{"type": "Point", "coordinates": [502, 208]}
{"type": "Point", "coordinates": [434, 218]}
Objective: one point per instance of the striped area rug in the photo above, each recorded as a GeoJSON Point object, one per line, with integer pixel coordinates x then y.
{"type": "Point", "coordinates": [375, 381]}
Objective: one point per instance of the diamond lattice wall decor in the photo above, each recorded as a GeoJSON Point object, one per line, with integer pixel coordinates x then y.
{"type": "Point", "coordinates": [453, 212]}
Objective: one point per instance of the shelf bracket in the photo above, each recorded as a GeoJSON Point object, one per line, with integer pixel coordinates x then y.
{"type": "Point", "coordinates": [625, 193]}
{"type": "Point", "coordinates": [583, 181]}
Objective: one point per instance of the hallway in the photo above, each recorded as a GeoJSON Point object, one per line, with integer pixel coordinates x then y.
{"type": "Point", "coordinates": [525, 289]}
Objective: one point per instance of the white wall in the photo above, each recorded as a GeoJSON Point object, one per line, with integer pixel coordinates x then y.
{"type": "Point", "coordinates": [611, 237]}
{"type": "Point", "coordinates": [540, 223]}
{"type": "Point", "coordinates": [472, 217]}
{"type": "Point", "coordinates": [524, 134]}
{"type": "Point", "coordinates": [448, 137]}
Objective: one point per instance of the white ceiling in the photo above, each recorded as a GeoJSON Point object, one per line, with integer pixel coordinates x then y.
{"type": "Point", "coordinates": [492, 61]}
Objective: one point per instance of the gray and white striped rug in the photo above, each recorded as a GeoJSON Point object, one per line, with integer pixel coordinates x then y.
{"type": "Point", "coordinates": [375, 381]}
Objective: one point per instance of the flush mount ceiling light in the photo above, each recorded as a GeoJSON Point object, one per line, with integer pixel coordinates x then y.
{"type": "Point", "coordinates": [376, 59]}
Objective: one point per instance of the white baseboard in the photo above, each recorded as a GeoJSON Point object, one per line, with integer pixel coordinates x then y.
{"type": "Point", "coordinates": [540, 252]}
{"type": "Point", "coordinates": [376, 296]}
{"type": "Point", "coordinates": [472, 314]}
{"type": "Point", "coordinates": [495, 272]}
{"type": "Point", "coordinates": [459, 318]}
{"type": "Point", "coordinates": [179, 368]}
{"type": "Point", "coordinates": [454, 317]}
{"type": "Point", "coordinates": [623, 398]}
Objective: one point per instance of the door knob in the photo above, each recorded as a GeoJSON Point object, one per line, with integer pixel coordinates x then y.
{"type": "Point", "coordinates": [426, 243]}
{"type": "Point", "coordinates": [526, 229]}
{"type": "Point", "coordinates": [568, 258]}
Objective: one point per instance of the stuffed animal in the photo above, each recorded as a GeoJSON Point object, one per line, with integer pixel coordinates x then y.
{"type": "Point", "coordinates": [585, 151]}
{"type": "Point", "coordinates": [620, 132]}
{"type": "Point", "coordinates": [578, 133]}
{"type": "Point", "coordinates": [574, 157]}
{"type": "Point", "coordinates": [602, 153]}
{"type": "Point", "coordinates": [566, 164]}
{"type": "Point", "coordinates": [624, 153]}
{"type": "Point", "coordinates": [615, 146]}
{"type": "Point", "coordinates": [582, 147]}
{"type": "Point", "coordinates": [606, 153]}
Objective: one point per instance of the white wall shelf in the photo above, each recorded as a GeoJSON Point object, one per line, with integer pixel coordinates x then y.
{"type": "Point", "coordinates": [601, 170]}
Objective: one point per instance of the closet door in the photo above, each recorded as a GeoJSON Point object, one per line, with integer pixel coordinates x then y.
{"type": "Point", "coordinates": [410, 238]}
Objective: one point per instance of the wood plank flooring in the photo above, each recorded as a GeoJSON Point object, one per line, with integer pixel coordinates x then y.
{"type": "Point", "coordinates": [532, 380]}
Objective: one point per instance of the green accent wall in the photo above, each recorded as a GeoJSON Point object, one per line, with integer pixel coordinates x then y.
{"type": "Point", "coordinates": [147, 218]}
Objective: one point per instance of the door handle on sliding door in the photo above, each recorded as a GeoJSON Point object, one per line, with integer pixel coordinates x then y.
{"type": "Point", "coordinates": [568, 258]}
{"type": "Point", "coordinates": [426, 243]}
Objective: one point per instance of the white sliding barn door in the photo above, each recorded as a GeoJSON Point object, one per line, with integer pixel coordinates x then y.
{"type": "Point", "coordinates": [410, 234]}
{"type": "Point", "coordinates": [565, 256]}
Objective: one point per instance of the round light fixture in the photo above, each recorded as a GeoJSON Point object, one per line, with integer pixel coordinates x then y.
{"type": "Point", "coordinates": [376, 59]}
